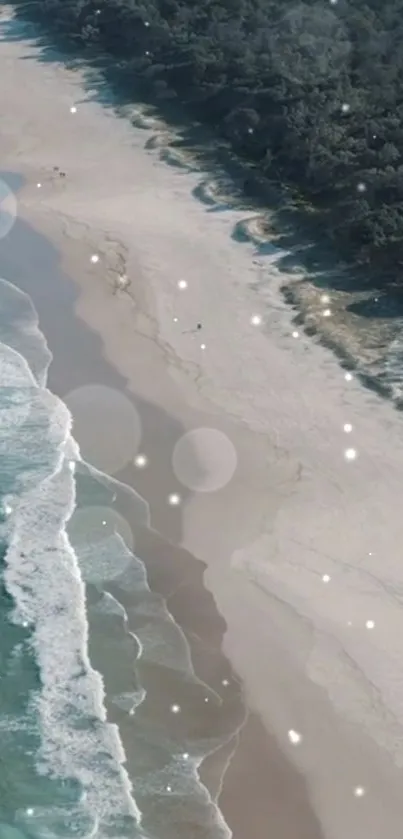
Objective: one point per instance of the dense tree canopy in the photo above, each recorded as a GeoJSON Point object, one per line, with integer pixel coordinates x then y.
{"type": "Point", "coordinates": [312, 90]}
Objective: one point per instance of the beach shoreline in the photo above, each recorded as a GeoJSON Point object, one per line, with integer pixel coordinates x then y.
{"type": "Point", "coordinates": [293, 511]}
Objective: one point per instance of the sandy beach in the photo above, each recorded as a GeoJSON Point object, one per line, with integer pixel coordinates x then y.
{"type": "Point", "coordinates": [301, 544]}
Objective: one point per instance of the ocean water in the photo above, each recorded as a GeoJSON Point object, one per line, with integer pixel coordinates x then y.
{"type": "Point", "coordinates": [100, 707]}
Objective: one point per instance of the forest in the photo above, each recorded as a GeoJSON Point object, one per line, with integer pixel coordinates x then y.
{"type": "Point", "coordinates": [311, 92]}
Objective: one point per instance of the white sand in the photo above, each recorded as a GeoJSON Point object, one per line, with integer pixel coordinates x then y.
{"type": "Point", "coordinates": [295, 509]}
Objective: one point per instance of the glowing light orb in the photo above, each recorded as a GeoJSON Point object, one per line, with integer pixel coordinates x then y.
{"type": "Point", "coordinates": [202, 346]}
{"type": "Point", "coordinates": [359, 792]}
{"type": "Point", "coordinates": [30, 811]}
{"type": "Point", "coordinates": [347, 427]}
{"type": "Point", "coordinates": [295, 334]}
{"type": "Point", "coordinates": [94, 258]}
{"type": "Point", "coordinates": [174, 499]}
{"type": "Point", "coordinates": [370, 624]}
{"type": "Point", "coordinates": [141, 461]}
{"type": "Point", "coordinates": [294, 737]}
{"type": "Point", "coordinates": [326, 578]}
{"type": "Point", "coordinates": [327, 313]}
{"type": "Point", "coordinates": [348, 377]}
{"type": "Point", "coordinates": [185, 756]}
{"type": "Point", "coordinates": [182, 284]}
{"type": "Point", "coordinates": [345, 108]}
{"type": "Point", "coordinates": [325, 298]}
{"type": "Point", "coordinates": [39, 186]}
{"type": "Point", "coordinates": [175, 709]}
{"type": "Point", "coordinates": [361, 187]}
{"type": "Point", "coordinates": [256, 320]}
{"type": "Point", "coordinates": [350, 454]}
{"type": "Point", "coordinates": [225, 682]}
{"type": "Point", "coordinates": [73, 109]}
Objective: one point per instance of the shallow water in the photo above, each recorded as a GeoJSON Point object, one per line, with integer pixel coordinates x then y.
{"type": "Point", "coordinates": [91, 658]}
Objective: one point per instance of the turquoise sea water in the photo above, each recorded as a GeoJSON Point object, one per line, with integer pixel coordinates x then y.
{"type": "Point", "coordinates": [100, 706]}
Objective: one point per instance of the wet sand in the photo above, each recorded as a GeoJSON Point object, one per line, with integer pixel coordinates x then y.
{"type": "Point", "coordinates": [255, 783]}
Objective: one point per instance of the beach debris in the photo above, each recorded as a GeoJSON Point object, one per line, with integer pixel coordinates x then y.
{"type": "Point", "coordinates": [295, 334]}
{"type": "Point", "coordinates": [175, 709]}
{"type": "Point", "coordinates": [182, 284]}
{"type": "Point", "coordinates": [350, 454]}
{"type": "Point", "coordinates": [370, 624]}
{"type": "Point", "coordinates": [327, 313]}
{"type": "Point", "coordinates": [348, 377]}
{"type": "Point", "coordinates": [347, 427]}
{"type": "Point", "coordinates": [294, 737]}
{"type": "Point", "coordinates": [256, 320]}
{"type": "Point", "coordinates": [73, 109]}
{"type": "Point", "coordinates": [141, 461]}
{"type": "Point", "coordinates": [174, 499]}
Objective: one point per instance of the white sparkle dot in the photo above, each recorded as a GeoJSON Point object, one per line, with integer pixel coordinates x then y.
{"type": "Point", "coordinates": [141, 461]}
{"type": "Point", "coordinates": [325, 298]}
{"type": "Point", "coordinates": [345, 107]}
{"type": "Point", "coordinates": [202, 346]}
{"type": "Point", "coordinates": [333, 2]}
{"type": "Point", "coordinates": [225, 682]}
{"type": "Point", "coordinates": [73, 109]}
{"type": "Point", "coordinates": [294, 737]}
{"type": "Point", "coordinates": [370, 624]}
{"type": "Point", "coordinates": [146, 23]}
{"type": "Point", "coordinates": [347, 427]}
{"type": "Point", "coordinates": [104, 522]}
{"type": "Point", "coordinates": [175, 320]}
{"type": "Point", "coordinates": [175, 709]}
{"type": "Point", "coordinates": [370, 553]}
{"type": "Point", "coordinates": [295, 334]}
{"type": "Point", "coordinates": [348, 377]}
{"type": "Point", "coordinates": [326, 578]}
{"type": "Point", "coordinates": [174, 499]}
{"type": "Point", "coordinates": [327, 313]}
{"type": "Point", "coordinates": [95, 258]}
{"type": "Point", "coordinates": [359, 792]}
{"type": "Point", "coordinates": [8, 509]}
{"type": "Point", "coordinates": [72, 465]}
{"type": "Point", "coordinates": [206, 699]}
{"type": "Point", "coordinates": [30, 811]}
{"type": "Point", "coordinates": [169, 789]}
{"type": "Point", "coordinates": [361, 187]}
{"type": "Point", "coordinates": [25, 624]}
{"type": "Point", "coordinates": [250, 130]}
{"type": "Point", "coordinates": [350, 454]}
{"type": "Point", "coordinates": [147, 52]}
{"type": "Point", "coordinates": [185, 756]}
{"type": "Point", "coordinates": [256, 320]}
{"type": "Point", "coordinates": [39, 186]}
{"type": "Point", "coordinates": [182, 284]}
